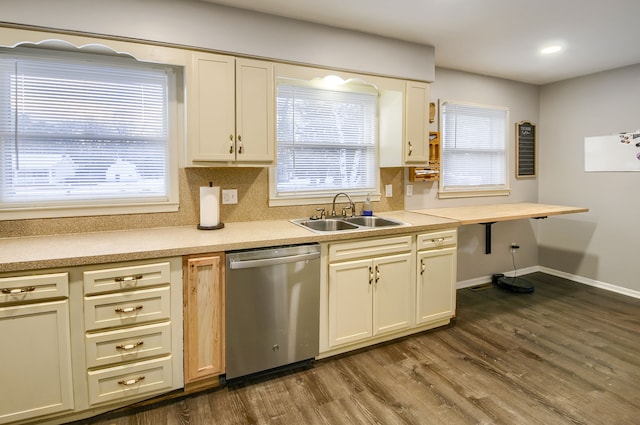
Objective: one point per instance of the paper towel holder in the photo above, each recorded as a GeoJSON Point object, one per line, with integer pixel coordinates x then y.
{"type": "Point", "coordinates": [219, 226]}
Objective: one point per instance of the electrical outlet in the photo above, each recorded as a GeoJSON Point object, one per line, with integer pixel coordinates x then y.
{"type": "Point", "coordinates": [388, 189]}
{"type": "Point", "coordinates": [230, 196]}
{"type": "Point", "coordinates": [514, 246]}
{"type": "Point", "coordinates": [409, 190]}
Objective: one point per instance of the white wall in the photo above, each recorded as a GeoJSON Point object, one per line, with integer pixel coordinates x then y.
{"type": "Point", "coordinates": [522, 101]}
{"type": "Point", "coordinates": [224, 29]}
{"type": "Point", "coordinates": [601, 245]}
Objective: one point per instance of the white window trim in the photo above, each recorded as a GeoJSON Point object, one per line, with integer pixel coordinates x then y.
{"type": "Point", "coordinates": [276, 200]}
{"type": "Point", "coordinates": [479, 191]}
{"type": "Point", "coordinates": [143, 53]}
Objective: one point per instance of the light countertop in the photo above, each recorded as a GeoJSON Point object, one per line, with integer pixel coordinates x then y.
{"type": "Point", "coordinates": [28, 253]}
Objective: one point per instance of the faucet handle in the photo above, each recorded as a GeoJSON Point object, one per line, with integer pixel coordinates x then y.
{"type": "Point", "coordinates": [323, 213]}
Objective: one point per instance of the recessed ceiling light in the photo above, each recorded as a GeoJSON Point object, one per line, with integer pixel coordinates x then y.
{"type": "Point", "coordinates": [550, 49]}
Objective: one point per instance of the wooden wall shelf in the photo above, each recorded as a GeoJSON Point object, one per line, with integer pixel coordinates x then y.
{"type": "Point", "coordinates": [432, 171]}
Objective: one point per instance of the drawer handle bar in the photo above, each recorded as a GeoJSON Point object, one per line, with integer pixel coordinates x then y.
{"type": "Point", "coordinates": [128, 278]}
{"type": "Point", "coordinates": [129, 346]}
{"type": "Point", "coordinates": [438, 241]}
{"type": "Point", "coordinates": [128, 309]}
{"type": "Point", "coordinates": [131, 381]}
{"type": "Point", "coordinates": [16, 291]}
{"type": "Point", "coordinates": [377, 273]}
{"type": "Point", "coordinates": [422, 266]}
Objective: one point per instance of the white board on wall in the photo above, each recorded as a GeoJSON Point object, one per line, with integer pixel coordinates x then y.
{"type": "Point", "coordinates": [616, 152]}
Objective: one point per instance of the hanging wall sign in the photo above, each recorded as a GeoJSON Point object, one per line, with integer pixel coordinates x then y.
{"type": "Point", "coordinates": [525, 149]}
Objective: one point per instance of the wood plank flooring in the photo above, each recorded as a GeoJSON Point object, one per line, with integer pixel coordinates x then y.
{"type": "Point", "coordinates": [566, 354]}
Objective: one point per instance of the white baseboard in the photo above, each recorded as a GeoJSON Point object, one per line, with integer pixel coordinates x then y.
{"type": "Point", "coordinates": [596, 283]}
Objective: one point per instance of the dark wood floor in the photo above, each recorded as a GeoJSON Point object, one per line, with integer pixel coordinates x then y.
{"type": "Point", "coordinates": [566, 354]}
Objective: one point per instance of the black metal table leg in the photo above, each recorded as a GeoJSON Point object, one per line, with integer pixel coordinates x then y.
{"type": "Point", "coordinates": [487, 236]}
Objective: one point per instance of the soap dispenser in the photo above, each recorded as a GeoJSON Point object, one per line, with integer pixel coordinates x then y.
{"type": "Point", "coordinates": [366, 209]}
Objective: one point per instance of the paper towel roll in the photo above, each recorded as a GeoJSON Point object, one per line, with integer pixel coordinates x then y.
{"type": "Point", "coordinates": [209, 206]}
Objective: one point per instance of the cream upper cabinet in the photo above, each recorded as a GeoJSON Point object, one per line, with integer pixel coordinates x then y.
{"type": "Point", "coordinates": [416, 149]}
{"type": "Point", "coordinates": [436, 276]}
{"type": "Point", "coordinates": [404, 125]}
{"type": "Point", "coordinates": [230, 111]}
{"type": "Point", "coordinates": [369, 294]}
{"type": "Point", "coordinates": [36, 372]}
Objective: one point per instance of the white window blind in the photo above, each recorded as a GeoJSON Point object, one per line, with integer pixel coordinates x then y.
{"type": "Point", "coordinates": [326, 141]}
{"type": "Point", "coordinates": [78, 129]}
{"type": "Point", "coordinates": [474, 144]}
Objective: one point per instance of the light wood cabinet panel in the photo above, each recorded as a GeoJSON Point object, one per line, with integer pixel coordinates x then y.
{"type": "Point", "coordinates": [204, 327]}
{"type": "Point", "coordinates": [35, 376]}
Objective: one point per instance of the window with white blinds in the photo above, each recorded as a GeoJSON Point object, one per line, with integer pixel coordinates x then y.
{"type": "Point", "coordinates": [473, 150]}
{"type": "Point", "coordinates": [326, 141]}
{"type": "Point", "coordinates": [78, 129]}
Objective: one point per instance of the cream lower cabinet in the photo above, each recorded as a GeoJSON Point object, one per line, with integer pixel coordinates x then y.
{"type": "Point", "coordinates": [436, 276]}
{"type": "Point", "coordinates": [204, 326]}
{"type": "Point", "coordinates": [369, 289]}
{"type": "Point", "coordinates": [35, 350]}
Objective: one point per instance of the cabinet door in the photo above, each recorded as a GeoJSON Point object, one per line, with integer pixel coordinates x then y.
{"type": "Point", "coordinates": [36, 361]}
{"type": "Point", "coordinates": [436, 291]}
{"type": "Point", "coordinates": [254, 111]}
{"type": "Point", "coordinates": [392, 293]}
{"type": "Point", "coordinates": [350, 301]}
{"type": "Point", "coordinates": [204, 317]}
{"type": "Point", "coordinates": [416, 122]}
{"type": "Point", "coordinates": [211, 108]}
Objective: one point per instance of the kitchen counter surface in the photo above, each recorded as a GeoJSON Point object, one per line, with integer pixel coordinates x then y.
{"type": "Point", "coordinates": [28, 253]}
{"type": "Point", "coordinates": [480, 214]}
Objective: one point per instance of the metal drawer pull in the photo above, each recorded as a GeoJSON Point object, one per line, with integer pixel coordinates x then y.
{"type": "Point", "coordinates": [377, 274]}
{"type": "Point", "coordinates": [129, 346]}
{"type": "Point", "coordinates": [16, 291]}
{"type": "Point", "coordinates": [128, 278]}
{"type": "Point", "coordinates": [128, 309]}
{"type": "Point", "coordinates": [370, 275]}
{"type": "Point", "coordinates": [438, 241]}
{"type": "Point", "coordinates": [422, 266]}
{"type": "Point", "coordinates": [131, 381]}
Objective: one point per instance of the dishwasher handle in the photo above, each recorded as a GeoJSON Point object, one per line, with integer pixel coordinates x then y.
{"type": "Point", "coordinates": [248, 264]}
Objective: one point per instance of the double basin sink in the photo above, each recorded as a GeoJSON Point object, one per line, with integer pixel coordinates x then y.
{"type": "Point", "coordinates": [343, 224]}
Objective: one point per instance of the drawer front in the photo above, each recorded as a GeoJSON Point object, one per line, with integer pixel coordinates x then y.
{"type": "Point", "coordinates": [132, 277]}
{"type": "Point", "coordinates": [127, 308]}
{"type": "Point", "coordinates": [434, 240]}
{"type": "Point", "coordinates": [130, 381]}
{"type": "Point", "coordinates": [368, 248]}
{"type": "Point", "coordinates": [127, 345]}
{"type": "Point", "coordinates": [27, 288]}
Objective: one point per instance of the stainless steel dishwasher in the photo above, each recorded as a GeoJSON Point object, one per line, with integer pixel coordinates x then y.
{"type": "Point", "coordinates": [272, 308]}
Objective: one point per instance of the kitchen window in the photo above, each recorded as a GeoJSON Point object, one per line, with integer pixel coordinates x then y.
{"type": "Point", "coordinates": [326, 141]}
{"type": "Point", "coordinates": [84, 134]}
{"type": "Point", "coordinates": [473, 150]}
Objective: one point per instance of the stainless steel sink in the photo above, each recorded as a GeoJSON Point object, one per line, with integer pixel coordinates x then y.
{"type": "Point", "coordinates": [328, 225]}
{"type": "Point", "coordinates": [371, 221]}
{"type": "Point", "coordinates": [345, 224]}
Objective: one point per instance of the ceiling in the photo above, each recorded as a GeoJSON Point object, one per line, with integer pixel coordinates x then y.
{"type": "Point", "coordinates": [500, 38]}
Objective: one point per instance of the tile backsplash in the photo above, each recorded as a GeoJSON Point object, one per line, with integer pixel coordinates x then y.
{"type": "Point", "coordinates": [253, 204]}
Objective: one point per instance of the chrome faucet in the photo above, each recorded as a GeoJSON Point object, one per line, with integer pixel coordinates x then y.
{"type": "Point", "coordinates": [351, 206]}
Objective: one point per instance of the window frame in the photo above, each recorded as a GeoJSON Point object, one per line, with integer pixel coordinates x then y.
{"type": "Point", "coordinates": [323, 196]}
{"type": "Point", "coordinates": [462, 191]}
{"type": "Point", "coordinates": [155, 55]}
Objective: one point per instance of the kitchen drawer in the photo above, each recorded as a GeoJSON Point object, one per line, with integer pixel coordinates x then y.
{"type": "Point", "coordinates": [127, 345]}
{"type": "Point", "coordinates": [129, 381]}
{"type": "Point", "coordinates": [435, 240]}
{"type": "Point", "coordinates": [33, 287]}
{"type": "Point", "coordinates": [127, 308]}
{"type": "Point", "coordinates": [131, 277]}
{"type": "Point", "coordinates": [368, 248]}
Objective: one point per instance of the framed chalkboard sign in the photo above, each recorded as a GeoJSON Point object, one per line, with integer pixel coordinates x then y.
{"type": "Point", "coordinates": [525, 149]}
